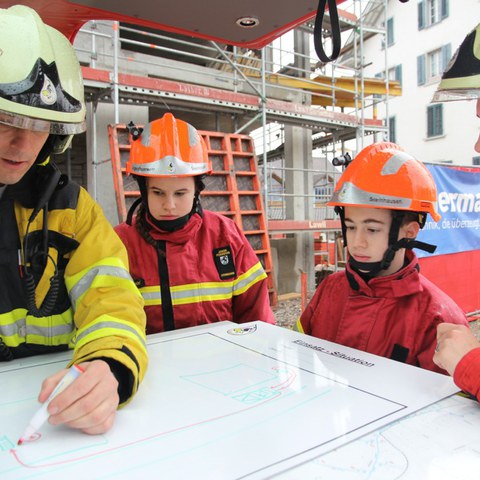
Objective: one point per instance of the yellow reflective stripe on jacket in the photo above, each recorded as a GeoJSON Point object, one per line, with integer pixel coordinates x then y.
{"type": "Point", "coordinates": [151, 295]}
{"type": "Point", "coordinates": [206, 291]}
{"type": "Point", "coordinates": [109, 272]}
{"type": "Point", "coordinates": [106, 326]}
{"type": "Point", "coordinates": [12, 327]}
{"type": "Point", "coordinates": [298, 326]}
{"type": "Point", "coordinates": [250, 277]}
{"type": "Point", "coordinates": [17, 328]}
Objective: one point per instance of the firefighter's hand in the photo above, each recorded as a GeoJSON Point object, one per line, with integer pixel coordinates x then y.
{"type": "Point", "coordinates": [89, 403]}
{"type": "Point", "coordinates": [453, 343]}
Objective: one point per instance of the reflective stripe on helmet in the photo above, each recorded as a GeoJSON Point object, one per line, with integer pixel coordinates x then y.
{"type": "Point", "coordinates": [349, 194]}
{"type": "Point", "coordinates": [168, 147]}
{"type": "Point", "coordinates": [383, 175]}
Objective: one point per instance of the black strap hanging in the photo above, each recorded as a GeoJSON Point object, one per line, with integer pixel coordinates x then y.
{"type": "Point", "coordinates": [317, 30]}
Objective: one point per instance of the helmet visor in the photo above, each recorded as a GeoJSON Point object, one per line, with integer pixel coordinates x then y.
{"type": "Point", "coordinates": [40, 125]}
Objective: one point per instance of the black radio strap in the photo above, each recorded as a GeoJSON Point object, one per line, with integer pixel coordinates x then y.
{"type": "Point", "coordinates": [317, 30]}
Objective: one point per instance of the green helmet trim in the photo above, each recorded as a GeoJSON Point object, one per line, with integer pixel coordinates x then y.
{"type": "Point", "coordinates": [461, 79]}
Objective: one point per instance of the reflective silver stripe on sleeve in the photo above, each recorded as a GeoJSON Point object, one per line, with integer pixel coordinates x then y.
{"type": "Point", "coordinates": [86, 281]}
{"type": "Point", "coordinates": [250, 279]}
{"type": "Point", "coordinates": [108, 324]}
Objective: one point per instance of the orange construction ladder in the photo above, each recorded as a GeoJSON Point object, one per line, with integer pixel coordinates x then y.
{"type": "Point", "coordinates": [233, 188]}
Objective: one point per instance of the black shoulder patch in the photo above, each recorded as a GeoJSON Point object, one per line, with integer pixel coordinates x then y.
{"type": "Point", "coordinates": [66, 196]}
{"type": "Point", "coordinates": [223, 259]}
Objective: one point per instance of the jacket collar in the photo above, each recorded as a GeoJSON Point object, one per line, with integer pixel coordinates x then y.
{"type": "Point", "coordinates": [405, 281]}
{"type": "Point", "coordinates": [181, 236]}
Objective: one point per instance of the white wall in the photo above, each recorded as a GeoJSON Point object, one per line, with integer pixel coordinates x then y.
{"type": "Point", "coordinates": [461, 126]}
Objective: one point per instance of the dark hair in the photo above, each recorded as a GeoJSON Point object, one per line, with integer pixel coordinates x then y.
{"type": "Point", "coordinates": [141, 223]}
{"type": "Point", "coordinates": [408, 216]}
{"type": "Point", "coordinates": [199, 183]}
{"type": "Point", "coordinates": [142, 226]}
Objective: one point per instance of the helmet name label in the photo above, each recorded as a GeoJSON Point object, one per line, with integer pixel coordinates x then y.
{"type": "Point", "coordinates": [386, 200]}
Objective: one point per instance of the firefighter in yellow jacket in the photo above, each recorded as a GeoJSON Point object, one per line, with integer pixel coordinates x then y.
{"type": "Point", "coordinates": [63, 270]}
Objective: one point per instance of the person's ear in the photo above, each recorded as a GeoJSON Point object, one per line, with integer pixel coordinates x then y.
{"type": "Point", "coordinates": [411, 229]}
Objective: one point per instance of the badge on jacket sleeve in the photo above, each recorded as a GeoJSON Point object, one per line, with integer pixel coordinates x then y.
{"type": "Point", "coordinates": [224, 262]}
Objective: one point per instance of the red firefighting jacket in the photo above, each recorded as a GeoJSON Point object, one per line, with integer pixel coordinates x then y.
{"type": "Point", "coordinates": [208, 273]}
{"type": "Point", "coordinates": [467, 373]}
{"type": "Point", "coordinates": [395, 316]}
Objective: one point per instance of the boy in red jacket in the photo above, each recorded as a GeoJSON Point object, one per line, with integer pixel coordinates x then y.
{"type": "Point", "coordinates": [381, 303]}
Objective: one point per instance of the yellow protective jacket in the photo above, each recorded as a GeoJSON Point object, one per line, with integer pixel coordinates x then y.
{"type": "Point", "coordinates": [98, 311]}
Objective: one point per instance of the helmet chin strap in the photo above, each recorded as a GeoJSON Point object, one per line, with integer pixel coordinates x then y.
{"type": "Point", "coordinates": [371, 269]}
{"type": "Point", "coordinates": [169, 225]}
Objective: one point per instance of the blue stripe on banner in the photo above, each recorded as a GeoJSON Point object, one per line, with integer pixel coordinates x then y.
{"type": "Point", "coordinates": [458, 191]}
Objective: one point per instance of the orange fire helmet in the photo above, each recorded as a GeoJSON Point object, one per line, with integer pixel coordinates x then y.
{"type": "Point", "coordinates": [383, 175]}
{"type": "Point", "coordinates": [168, 147]}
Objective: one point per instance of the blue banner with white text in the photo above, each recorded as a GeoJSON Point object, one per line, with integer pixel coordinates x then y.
{"type": "Point", "coordinates": [458, 196]}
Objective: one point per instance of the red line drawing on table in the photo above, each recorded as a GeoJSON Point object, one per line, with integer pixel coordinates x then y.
{"type": "Point", "coordinates": [16, 452]}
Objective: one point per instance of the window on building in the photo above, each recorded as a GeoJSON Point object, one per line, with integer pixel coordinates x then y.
{"type": "Point", "coordinates": [475, 160]}
{"type": "Point", "coordinates": [434, 64]}
{"type": "Point", "coordinates": [431, 65]}
{"type": "Point", "coordinates": [390, 36]}
{"type": "Point", "coordinates": [392, 129]}
{"type": "Point", "coordinates": [323, 193]}
{"type": "Point", "coordinates": [435, 120]}
{"type": "Point", "coordinates": [375, 95]}
{"type": "Point", "coordinates": [431, 12]}
{"type": "Point", "coordinates": [395, 74]}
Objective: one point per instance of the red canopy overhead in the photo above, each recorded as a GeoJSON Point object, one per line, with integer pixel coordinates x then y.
{"type": "Point", "coordinates": [208, 19]}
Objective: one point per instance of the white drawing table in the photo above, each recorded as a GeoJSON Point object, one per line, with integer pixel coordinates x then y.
{"type": "Point", "coordinates": [228, 401]}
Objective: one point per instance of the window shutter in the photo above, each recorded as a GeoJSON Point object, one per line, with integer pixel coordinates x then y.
{"type": "Point", "coordinates": [439, 119]}
{"type": "Point", "coordinates": [421, 70]}
{"type": "Point", "coordinates": [446, 55]}
{"type": "Point", "coordinates": [392, 130]}
{"type": "Point", "coordinates": [429, 122]}
{"type": "Point", "coordinates": [435, 120]}
{"type": "Point", "coordinates": [390, 37]}
{"type": "Point", "coordinates": [421, 15]}
{"type": "Point", "coordinates": [444, 12]}
{"type": "Point", "coordinates": [398, 73]}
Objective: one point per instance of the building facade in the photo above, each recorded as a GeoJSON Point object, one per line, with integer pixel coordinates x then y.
{"type": "Point", "coordinates": [420, 38]}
